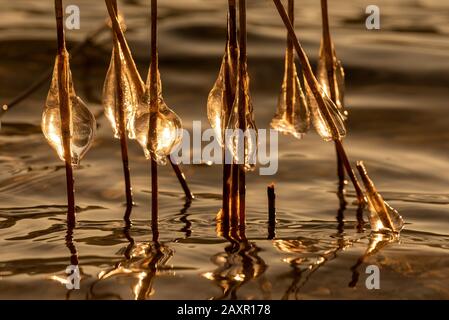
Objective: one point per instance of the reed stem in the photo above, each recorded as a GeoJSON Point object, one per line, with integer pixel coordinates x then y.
{"type": "Point", "coordinates": [271, 211]}
{"type": "Point", "coordinates": [134, 73]}
{"type": "Point", "coordinates": [182, 180]}
{"type": "Point", "coordinates": [327, 47]}
{"type": "Point", "coordinates": [65, 112]}
{"type": "Point", "coordinates": [290, 65]}
{"type": "Point", "coordinates": [121, 116]}
{"type": "Point", "coordinates": [328, 53]}
{"type": "Point", "coordinates": [154, 108]}
{"type": "Point", "coordinates": [344, 158]}
{"type": "Point", "coordinates": [230, 72]}
{"type": "Point", "coordinates": [242, 107]}
{"type": "Point", "coordinates": [315, 88]}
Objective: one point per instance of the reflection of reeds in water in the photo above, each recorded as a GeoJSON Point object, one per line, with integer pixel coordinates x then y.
{"type": "Point", "coordinates": [142, 261]}
{"type": "Point", "coordinates": [376, 243]}
{"type": "Point", "coordinates": [307, 256]}
{"type": "Point", "coordinates": [236, 266]}
{"type": "Point", "coordinates": [70, 244]}
{"type": "Point", "coordinates": [239, 263]}
{"type": "Point", "coordinates": [145, 262]}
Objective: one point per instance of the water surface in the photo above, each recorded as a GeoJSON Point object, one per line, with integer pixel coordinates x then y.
{"type": "Point", "coordinates": [397, 80]}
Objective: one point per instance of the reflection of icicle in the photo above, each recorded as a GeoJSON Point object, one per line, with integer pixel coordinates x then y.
{"type": "Point", "coordinates": [296, 119]}
{"type": "Point", "coordinates": [82, 121]}
{"type": "Point", "coordinates": [382, 216]}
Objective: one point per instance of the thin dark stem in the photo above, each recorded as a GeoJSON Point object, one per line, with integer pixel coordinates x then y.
{"type": "Point", "coordinates": [153, 106]}
{"type": "Point", "coordinates": [290, 65]}
{"type": "Point", "coordinates": [65, 112]}
{"type": "Point", "coordinates": [328, 53]}
{"type": "Point", "coordinates": [242, 107]}
{"type": "Point", "coordinates": [347, 164]}
{"type": "Point", "coordinates": [134, 73]}
{"type": "Point", "coordinates": [271, 211]}
{"type": "Point", "coordinates": [182, 180]}
{"type": "Point", "coordinates": [230, 73]}
{"type": "Point", "coordinates": [327, 46]}
{"type": "Point", "coordinates": [121, 117]}
{"type": "Point", "coordinates": [234, 194]}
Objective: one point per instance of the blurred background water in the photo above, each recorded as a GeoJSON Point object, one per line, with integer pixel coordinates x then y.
{"type": "Point", "coordinates": [397, 96]}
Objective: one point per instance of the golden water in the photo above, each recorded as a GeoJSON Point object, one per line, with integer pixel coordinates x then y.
{"type": "Point", "coordinates": [397, 98]}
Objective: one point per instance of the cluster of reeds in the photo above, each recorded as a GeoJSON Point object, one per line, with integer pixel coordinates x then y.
{"type": "Point", "coordinates": [137, 111]}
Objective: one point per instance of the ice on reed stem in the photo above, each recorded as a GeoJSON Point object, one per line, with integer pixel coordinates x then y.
{"type": "Point", "coordinates": [82, 121]}
{"type": "Point", "coordinates": [131, 83]}
{"type": "Point", "coordinates": [338, 78]}
{"type": "Point", "coordinates": [328, 121]}
{"type": "Point", "coordinates": [131, 96]}
{"type": "Point", "coordinates": [217, 110]}
{"type": "Point", "coordinates": [382, 216]}
{"type": "Point", "coordinates": [166, 133]}
{"type": "Point", "coordinates": [292, 115]}
{"type": "Point", "coordinates": [242, 143]}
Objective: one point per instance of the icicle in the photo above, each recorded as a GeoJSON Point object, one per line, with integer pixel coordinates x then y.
{"type": "Point", "coordinates": [297, 120]}
{"type": "Point", "coordinates": [382, 216]}
{"type": "Point", "coordinates": [82, 122]}
{"type": "Point", "coordinates": [167, 132]}
{"type": "Point", "coordinates": [329, 123]}
{"type": "Point", "coordinates": [338, 78]}
{"type": "Point", "coordinates": [244, 153]}
{"type": "Point", "coordinates": [130, 94]}
{"type": "Point", "coordinates": [216, 101]}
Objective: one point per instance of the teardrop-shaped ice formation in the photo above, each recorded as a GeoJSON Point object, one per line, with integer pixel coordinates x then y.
{"type": "Point", "coordinates": [217, 110]}
{"type": "Point", "coordinates": [292, 115]}
{"type": "Point", "coordinates": [82, 122]}
{"type": "Point", "coordinates": [329, 123]}
{"type": "Point", "coordinates": [165, 135]}
{"type": "Point", "coordinates": [382, 216]}
{"type": "Point", "coordinates": [130, 93]}
{"type": "Point", "coordinates": [242, 145]}
{"type": "Point", "coordinates": [216, 102]}
{"type": "Point", "coordinates": [338, 78]}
